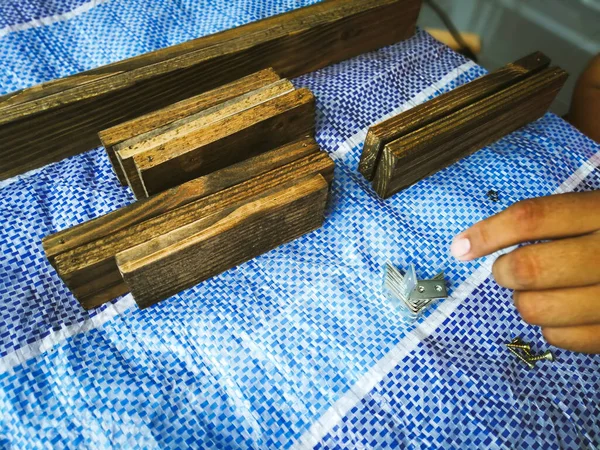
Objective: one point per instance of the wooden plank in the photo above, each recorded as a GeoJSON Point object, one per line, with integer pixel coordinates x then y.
{"type": "Point", "coordinates": [234, 105]}
{"type": "Point", "coordinates": [198, 150]}
{"type": "Point", "coordinates": [117, 135]}
{"type": "Point", "coordinates": [419, 116]}
{"type": "Point", "coordinates": [181, 195]}
{"type": "Point", "coordinates": [163, 54]}
{"type": "Point", "coordinates": [81, 266]}
{"type": "Point", "coordinates": [181, 259]}
{"type": "Point", "coordinates": [67, 122]}
{"type": "Point", "coordinates": [129, 152]}
{"type": "Point", "coordinates": [439, 144]}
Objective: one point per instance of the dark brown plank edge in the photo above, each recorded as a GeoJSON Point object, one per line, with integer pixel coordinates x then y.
{"type": "Point", "coordinates": [419, 116]}
{"type": "Point", "coordinates": [171, 263]}
{"type": "Point", "coordinates": [206, 121]}
{"type": "Point", "coordinates": [30, 138]}
{"type": "Point", "coordinates": [181, 195]}
{"type": "Point", "coordinates": [266, 126]}
{"type": "Point", "coordinates": [116, 135]}
{"type": "Point", "coordinates": [90, 270]}
{"type": "Point", "coordinates": [437, 145]}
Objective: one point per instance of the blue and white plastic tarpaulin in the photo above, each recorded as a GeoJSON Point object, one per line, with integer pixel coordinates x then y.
{"type": "Point", "coordinates": [298, 348]}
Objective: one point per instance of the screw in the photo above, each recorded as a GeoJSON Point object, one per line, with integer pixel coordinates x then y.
{"type": "Point", "coordinates": [529, 363]}
{"type": "Point", "coordinates": [521, 346]}
{"type": "Point", "coordinates": [525, 347]}
{"type": "Point", "coordinates": [421, 288]}
{"type": "Point", "coordinates": [546, 355]}
{"type": "Point", "coordinates": [493, 196]}
{"type": "Point", "coordinates": [438, 288]}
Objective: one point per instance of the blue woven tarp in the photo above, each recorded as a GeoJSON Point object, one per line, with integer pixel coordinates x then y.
{"type": "Point", "coordinates": [299, 347]}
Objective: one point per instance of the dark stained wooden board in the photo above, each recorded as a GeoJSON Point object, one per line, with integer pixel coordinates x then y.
{"type": "Point", "coordinates": [136, 128]}
{"type": "Point", "coordinates": [49, 128]}
{"type": "Point", "coordinates": [439, 144]}
{"type": "Point", "coordinates": [171, 199]}
{"type": "Point", "coordinates": [419, 116]}
{"type": "Point", "coordinates": [61, 84]}
{"type": "Point", "coordinates": [202, 150]}
{"type": "Point", "coordinates": [129, 152]}
{"type": "Point", "coordinates": [88, 267]}
{"type": "Point", "coordinates": [187, 256]}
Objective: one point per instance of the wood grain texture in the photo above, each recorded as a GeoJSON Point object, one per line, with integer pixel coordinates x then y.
{"type": "Point", "coordinates": [197, 151]}
{"type": "Point", "coordinates": [181, 259]}
{"type": "Point", "coordinates": [164, 138]}
{"type": "Point", "coordinates": [419, 116]}
{"type": "Point", "coordinates": [234, 105]}
{"type": "Point", "coordinates": [53, 86]}
{"type": "Point", "coordinates": [86, 262]}
{"type": "Point", "coordinates": [439, 144]}
{"type": "Point", "coordinates": [115, 136]}
{"type": "Point", "coordinates": [181, 195]}
{"type": "Point", "coordinates": [67, 122]}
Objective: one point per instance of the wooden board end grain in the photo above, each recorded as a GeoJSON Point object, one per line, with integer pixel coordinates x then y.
{"type": "Point", "coordinates": [114, 137]}
{"type": "Point", "coordinates": [201, 150]}
{"type": "Point", "coordinates": [187, 256]}
{"type": "Point", "coordinates": [67, 122]}
{"type": "Point", "coordinates": [85, 258]}
{"type": "Point", "coordinates": [439, 144]}
{"type": "Point", "coordinates": [419, 116]}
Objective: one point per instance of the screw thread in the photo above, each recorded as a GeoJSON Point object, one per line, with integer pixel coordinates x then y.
{"type": "Point", "coordinates": [521, 346]}
{"type": "Point", "coordinates": [529, 363]}
{"type": "Point", "coordinates": [546, 355]}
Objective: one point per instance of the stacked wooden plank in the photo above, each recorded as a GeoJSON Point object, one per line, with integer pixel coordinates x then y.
{"type": "Point", "coordinates": [61, 118]}
{"type": "Point", "coordinates": [410, 146]}
{"type": "Point", "coordinates": [163, 149]}
{"type": "Point", "coordinates": [222, 177]}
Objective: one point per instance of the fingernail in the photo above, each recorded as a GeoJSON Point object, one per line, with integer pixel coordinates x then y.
{"type": "Point", "coordinates": [460, 248]}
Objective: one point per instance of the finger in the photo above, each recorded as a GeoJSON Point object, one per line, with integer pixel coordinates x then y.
{"type": "Point", "coordinates": [559, 264]}
{"type": "Point", "coordinates": [553, 217]}
{"type": "Point", "coordinates": [584, 339]}
{"type": "Point", "coordinates": [560, 307]}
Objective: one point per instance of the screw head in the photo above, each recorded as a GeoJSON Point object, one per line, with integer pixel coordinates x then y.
{"type": "Point", "coordinates": [547, 355]}
{"type": "Point", "coordinates": [438, 288]}
{"type": "Point", "coordinates": [421, 289]}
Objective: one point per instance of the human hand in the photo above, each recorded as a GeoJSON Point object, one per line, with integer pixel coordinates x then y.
{"type": "Point", "coordinates": [556, 283]}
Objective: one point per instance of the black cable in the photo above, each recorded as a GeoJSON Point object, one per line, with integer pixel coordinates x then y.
{"type": "Point", "coordinates": [464, 48]}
